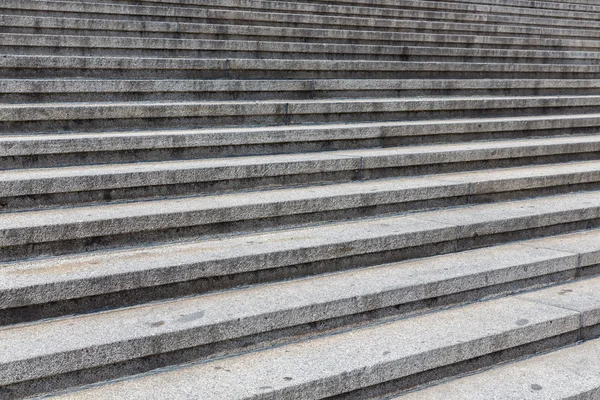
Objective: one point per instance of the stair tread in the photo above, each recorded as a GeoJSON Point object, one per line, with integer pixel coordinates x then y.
{"type": "Point", "coordinates": [127, 42]}
{"type": "Point", "coordinates": [66, 85]}
{"type": "Point", "coordinates": [387, 351]}
{"type": "Point", "coordinates": [23, 144]}
{"type": "Point", "coordinates": [278, 305]}
{"type": "Point", "coordinates": [36, 61]}
{"type": "Point", "coordinates": [258, 198]}
{"type": "Point", "coordinates": [293, 108]}
{"type": "Point", "coordinates": [318, 19]}
{"type": "Point", "coordinates": [280, 32]}
{"type": "Point", "coordinates": [123, 269]}
{"type": "Point", "coordinates": [90, 177]}
{"type": "Point", "coordinates": [373, 9]}
{"type": "Point", "coordinates": [566, 373]}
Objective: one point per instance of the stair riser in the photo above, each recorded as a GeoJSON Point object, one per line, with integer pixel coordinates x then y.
{"type": "Point", "coordinates": [186, 69]}
{"type": "Point", "coordinates": [572, 9]}
{"type": "Point", "coordinates": [133, 28]}
{"type": "Point", "coordinates": [280, 95]}
{"type": "Point", "coordinates": [88, 196]}
{"type": "Point", "coordinates": [305, 331]}
{"type": "Point", "coordinates": [66, 239]}
{"type": "Point", "coordinates": [572, 5]}
{"type": "Point", "coordinates": [401, 10]}
{"type": "Point", "coordinates": [307, 21]}
{"type": "Point", "coordinates": [278, 115]}
{"type": "Point", "coordinates": [301, 91]}
{"type": "Point", "coordinates": [65, 157]}
{"type": "Point", "coordinates": [502, 25]}
{"type": "Point", "coordinates": [313, 37]}
{"type": "Point", "coordinates": [227, 54]}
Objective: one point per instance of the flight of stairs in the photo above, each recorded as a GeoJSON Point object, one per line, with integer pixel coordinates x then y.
{"type": "Point", "coordinates": [253, 199]}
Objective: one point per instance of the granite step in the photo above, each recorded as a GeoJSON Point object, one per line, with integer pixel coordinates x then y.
{"type": "Point", "coordinates": [399, 9]}
{"type": "Point", "coordinates": [27, 66]}
{"type": "Point", "coordinates": [37, 44]}
{"type": "Point", "coordinates": [63, 149]}
{"type": "Point", "coordinates": [69, 230]}
{"type": "Point", "coordinates": [406, 20]}
{"type": "Point", "coordinates": [576, 5]}
{"type": "Point", "coordinates": [79, 90]}
{"type": "Point", "coordinates": [206, 326]}
{"type": "Point", "coordinates": [567, 373]}
{"type": "Point", "coordinates": [27, 189]}
{"type": "Point", "coordinates": [129, 27]}
{"type": "Point", "coordinates": [380, 359]}
{"type": "Point", "coordinates": [100, 116]}
{"type": "Point", "coordinates": [585, 6]}
{"type": "Point", "coordinates": [37, 288]}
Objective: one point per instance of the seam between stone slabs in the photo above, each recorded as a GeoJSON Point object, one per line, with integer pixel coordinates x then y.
{"type": "Point", "coordinates": [548, 247]}
{"type": "Point", "coordinates": [580, 337]}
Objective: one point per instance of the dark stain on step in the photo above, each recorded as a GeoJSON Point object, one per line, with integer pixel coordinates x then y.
{"type": "Point", "coordinates": [535, 386]}
{"type": "Point", "coordinates": [190, 317]}
{"type": "Point", "coordinates": [522, 322]}
{"type": "Point", "coordinates": [287, 378]}
{"type": "Point", "coordinates": [565, 291]}
{"type": "Point", "coordinates": [157, 324]}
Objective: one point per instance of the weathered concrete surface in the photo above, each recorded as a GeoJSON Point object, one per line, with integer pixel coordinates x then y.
{"type": "Point", "coordinates": [468, 22]}
{"type": "Point", "coordinates": [206, 48]}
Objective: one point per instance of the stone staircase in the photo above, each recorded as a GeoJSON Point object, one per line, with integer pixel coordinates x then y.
{"type": "Point", "coordinates": [347, 199]}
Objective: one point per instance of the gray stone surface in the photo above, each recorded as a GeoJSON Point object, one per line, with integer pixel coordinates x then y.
{"type": "Point", "coordinates": [570, 373]}
{"type": "Point", "coordinates": [582, 296]}
{"type": "Point", "coordinates": [585, 243]}
{"type": "Point", "coordinates": [21, 145]}
{"type": "Point", "coordinates": [123, 27]}
{"type": "Point", "coordinates": [518, 215]}
{"type": "Point", "coordinates": [336, 364]}
{"type": "Point", "coordinates": [78, 90]}
{"type": "Point", "coordinates": [137, 141]}
{"type": "Point", "coordinates": [44, 66]}
{"type": "Point", "coordinates": [467, 22]}
{"type": "Point", "coordinates": [51, 117]}
{"type": "Point", "coordinates": [213, 318]}
{"type": "Point", "coordinates": [102, 45]}
{"type": "Point", "coordinates": [39, 281]}
{"type": "Point", "coordinates": [375, 9]}
{"type": "Point", "coordinates": [86, 178]}
{"type": "Point", "coordinates": [147, 266]}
